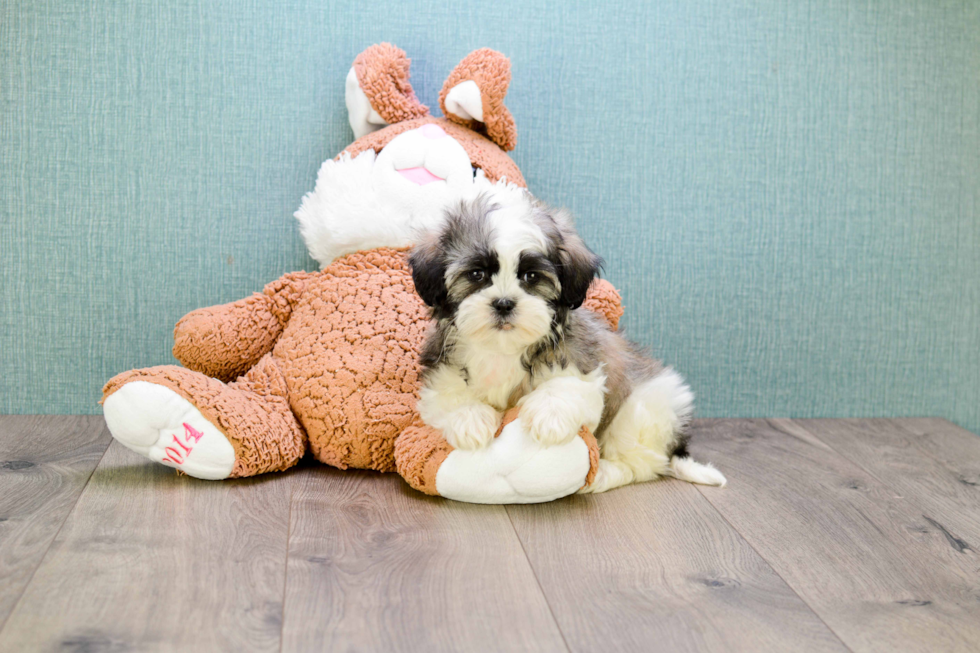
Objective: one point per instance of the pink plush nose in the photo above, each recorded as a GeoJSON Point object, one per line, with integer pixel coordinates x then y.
{"type": "Point", "coordinates": [432, 131]}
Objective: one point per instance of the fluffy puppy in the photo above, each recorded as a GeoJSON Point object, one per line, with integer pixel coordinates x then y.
{"type": "Point", "coordinates": [505, 277]}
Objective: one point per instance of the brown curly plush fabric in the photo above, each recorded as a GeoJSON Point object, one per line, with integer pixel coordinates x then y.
{"type": "Point", "coordinates": [421, 450]}
{"type": "Point", "coordinates": [491, 72]}
{"type": "Point", "coordinates": [484, 154]}
{"type": "Point", "coordinates": [226, 341]}
{"type": "Point", "coordinates": [604, 299]}
{"type": "Point", "coordinates": [350, 357]}
{"type": "Point", "coordinates": [593, 445]}
{"type": "Point", "coordinates": [419, 453]}
{"type": "Point", "coordinates": [383, 73]}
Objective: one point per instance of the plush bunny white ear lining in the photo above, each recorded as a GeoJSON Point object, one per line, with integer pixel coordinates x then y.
{"type": "Point", "coordinates": [361, 115]}
{"type": "Point", "coordinates": [464, 100]}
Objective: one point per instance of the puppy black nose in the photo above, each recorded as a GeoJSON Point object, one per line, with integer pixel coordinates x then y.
{"type": "Point", "coordinates": [503, 305]}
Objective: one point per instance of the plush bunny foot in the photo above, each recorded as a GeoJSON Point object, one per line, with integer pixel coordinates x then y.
{"type": "Point", "coordinates": [156, 422]}
{"type": "Point", "coordinates": [203, 427]}
{"type": "Point", "coordinates": [513, 468]}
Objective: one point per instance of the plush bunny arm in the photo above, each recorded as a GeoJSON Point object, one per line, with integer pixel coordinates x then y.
{"type": "Point", "coordinates": [604, 299]}
{"type": "Point", "coordinates": [225, 341]}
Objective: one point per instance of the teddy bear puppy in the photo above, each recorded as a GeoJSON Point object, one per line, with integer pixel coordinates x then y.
{"type": "Point", "coordinates": [505, 277]}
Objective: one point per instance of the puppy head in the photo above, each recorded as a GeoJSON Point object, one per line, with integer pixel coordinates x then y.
{"type": "Point", "coordinates": [505, 269]}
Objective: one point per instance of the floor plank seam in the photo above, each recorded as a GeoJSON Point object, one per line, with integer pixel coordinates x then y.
{"type": "Point", "coordinates": [955, 541]}
{"type": "Point", "coordinates": [897, 422]}
{"type": "Point", "coordinates": [64, 521]}
{"type": "Point", "coordinates": [537, 580]}
{"type": "Point", "coordinates": [285, 573]}
{"type": "Point", "coordinates": [701, 491]}
{"type": "Point", "coordinates": [830, 446]}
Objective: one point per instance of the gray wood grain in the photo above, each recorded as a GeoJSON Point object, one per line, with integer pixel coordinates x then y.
{"type": "Point", "coordinates": [152, 561]}
{"type": "Point", "coordinates": [942, 477]}
{"type": "Point", "coordinates": [376, 566]}
{"type": "Point", "coordinates": [655, 565]}
{"type": "Point", "coordinates": [864, 530]}
{"type": "Point", "coordinates": [45, 462]}
{"type": "Point", "coordinates": [955, 447]}
{"type": "Point", "coordinates": [879, 573]}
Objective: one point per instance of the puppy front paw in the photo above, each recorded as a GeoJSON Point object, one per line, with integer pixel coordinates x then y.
{"type": "Point", "coordinates": [550, 420]}
{"type": "Point", "coordinates": [472, 426]}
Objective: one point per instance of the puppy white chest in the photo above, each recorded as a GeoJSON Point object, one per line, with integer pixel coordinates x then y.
{"type": "Point", "coordinates": [494, 376]}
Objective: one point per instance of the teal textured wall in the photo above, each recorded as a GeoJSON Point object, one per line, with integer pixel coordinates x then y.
{"type": "Point", "coordinates": [787, 193]}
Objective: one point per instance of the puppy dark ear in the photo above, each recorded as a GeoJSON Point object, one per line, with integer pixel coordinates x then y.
{"type": "Point", "coordinates": [429, 271]}
{"type": "Point", "coordinates": [577, 264]}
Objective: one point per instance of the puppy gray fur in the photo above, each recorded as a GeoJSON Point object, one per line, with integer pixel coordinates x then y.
{"type": "Point", "coordinates": [505, 278]}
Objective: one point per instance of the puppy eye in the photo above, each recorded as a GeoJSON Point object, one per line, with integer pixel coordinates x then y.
{"type": "Point", "coordinates": [476, 276]}
{"type": "Point", "coordinates": [529, 277]}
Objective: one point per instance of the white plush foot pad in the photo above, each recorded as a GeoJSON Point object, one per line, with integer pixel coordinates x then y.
{"type": "Point", "coordinates": [514, 468]}
{"type": "Point", "coordinates": [158, 423]}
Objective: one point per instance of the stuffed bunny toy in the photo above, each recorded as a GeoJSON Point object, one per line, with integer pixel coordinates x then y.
{"type": "Point", "coordinates": [328, 362]}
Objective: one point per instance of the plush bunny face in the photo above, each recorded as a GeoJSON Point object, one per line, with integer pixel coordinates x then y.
{"type": "Point", "coordinates": [406, 167]}
{"type": "Point", "coordinates": [426, 155]}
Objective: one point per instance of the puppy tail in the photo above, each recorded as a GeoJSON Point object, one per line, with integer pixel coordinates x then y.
{"type": "Point", "coordinates": [685, 469]}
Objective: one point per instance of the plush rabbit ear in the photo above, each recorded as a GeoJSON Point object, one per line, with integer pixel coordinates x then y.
{"type": "Point", "coordinates": [378, 92]}
{"type": "Point", "coordinates": [473, 96]}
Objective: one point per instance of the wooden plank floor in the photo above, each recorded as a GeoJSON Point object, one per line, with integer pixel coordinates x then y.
{"type": "Point", "coordinates": [832, 535]}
